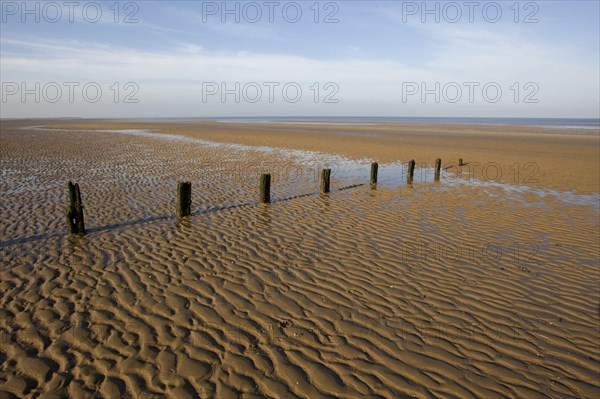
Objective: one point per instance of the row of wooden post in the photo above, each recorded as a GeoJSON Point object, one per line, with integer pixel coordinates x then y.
{"type": "Point", "coordinates": [265, 184]}
{"type": "Point", "coordinates": [74, 213]}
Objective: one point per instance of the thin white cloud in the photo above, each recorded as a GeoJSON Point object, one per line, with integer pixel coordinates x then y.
{"type": "Point", "coordinates": [171, 81]}
{"type": "Point", "coordinates": [228, 28]}
{"type": "Point", "coordinates": [191, 48]}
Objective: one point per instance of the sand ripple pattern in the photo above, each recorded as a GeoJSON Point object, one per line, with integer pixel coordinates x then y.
{"type": "Point", "coordinates": [425, 291]}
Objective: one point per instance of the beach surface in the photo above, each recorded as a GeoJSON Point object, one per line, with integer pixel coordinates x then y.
{"type": "Point", "coordinates": [482, 285]}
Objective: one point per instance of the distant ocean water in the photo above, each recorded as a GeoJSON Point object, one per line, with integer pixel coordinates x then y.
{"type": "Point", "coordinates": [573, 123]}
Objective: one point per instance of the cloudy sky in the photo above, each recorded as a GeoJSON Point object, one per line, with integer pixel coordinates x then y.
{"type": "Point", "coordinates": [304, 58]}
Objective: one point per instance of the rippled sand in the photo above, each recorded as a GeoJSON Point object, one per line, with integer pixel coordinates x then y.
{"type": "Point", "coordinates": [463, 288]}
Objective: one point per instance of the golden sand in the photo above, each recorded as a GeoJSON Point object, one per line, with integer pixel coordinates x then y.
{"type": "Point", "coordinates": [464, 288]}
{"type": "Point", "coordinates": [563, 159]}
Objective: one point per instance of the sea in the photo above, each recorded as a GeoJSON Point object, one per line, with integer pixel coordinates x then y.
{"type": "Point", "coordinates": [571, 123]}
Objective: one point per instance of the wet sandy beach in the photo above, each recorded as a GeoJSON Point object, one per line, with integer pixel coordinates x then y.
{"type": "Point", "coordinates": [471, 287]}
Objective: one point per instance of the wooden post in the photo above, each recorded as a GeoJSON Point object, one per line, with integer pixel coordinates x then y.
{"type": "Point", "coordinates": [325, 180]}
{"type": "Point", "coordinates": [184, 199]}
{"type": "Point", "coordinates": [460, 162]}
{"type": "Point", "coordinates": [265, 188]}
{"type": "Point", "coordinates": [438, 167]}
{"type": "Point", "coordinates": [411, 170]}
{"type": "Point", "coordinates": [374, 169]}
{"type": "Point", "coordinates": [74, 213]}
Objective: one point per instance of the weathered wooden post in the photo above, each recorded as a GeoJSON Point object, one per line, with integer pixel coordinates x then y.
{"type": "Point", "coordinates": [374, 169]}
{"type": "Point", "coordinates": [184, 199]}
{"type": "Point", "coordinates": [265, 188]}
{"type": "Point", "coordinates": [460, 162]}
{"type": "Point", "coordinates": [74, 213]}
{"type": "Point", "coordinates": [411, 170]}
{"type": "Point", "coordinates": [325, 180]}
{"type": "Point", "coordinates": [438, 167]}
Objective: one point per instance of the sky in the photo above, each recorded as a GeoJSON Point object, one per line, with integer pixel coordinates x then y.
{"type": "Point", "coordinates": [304, 58]}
